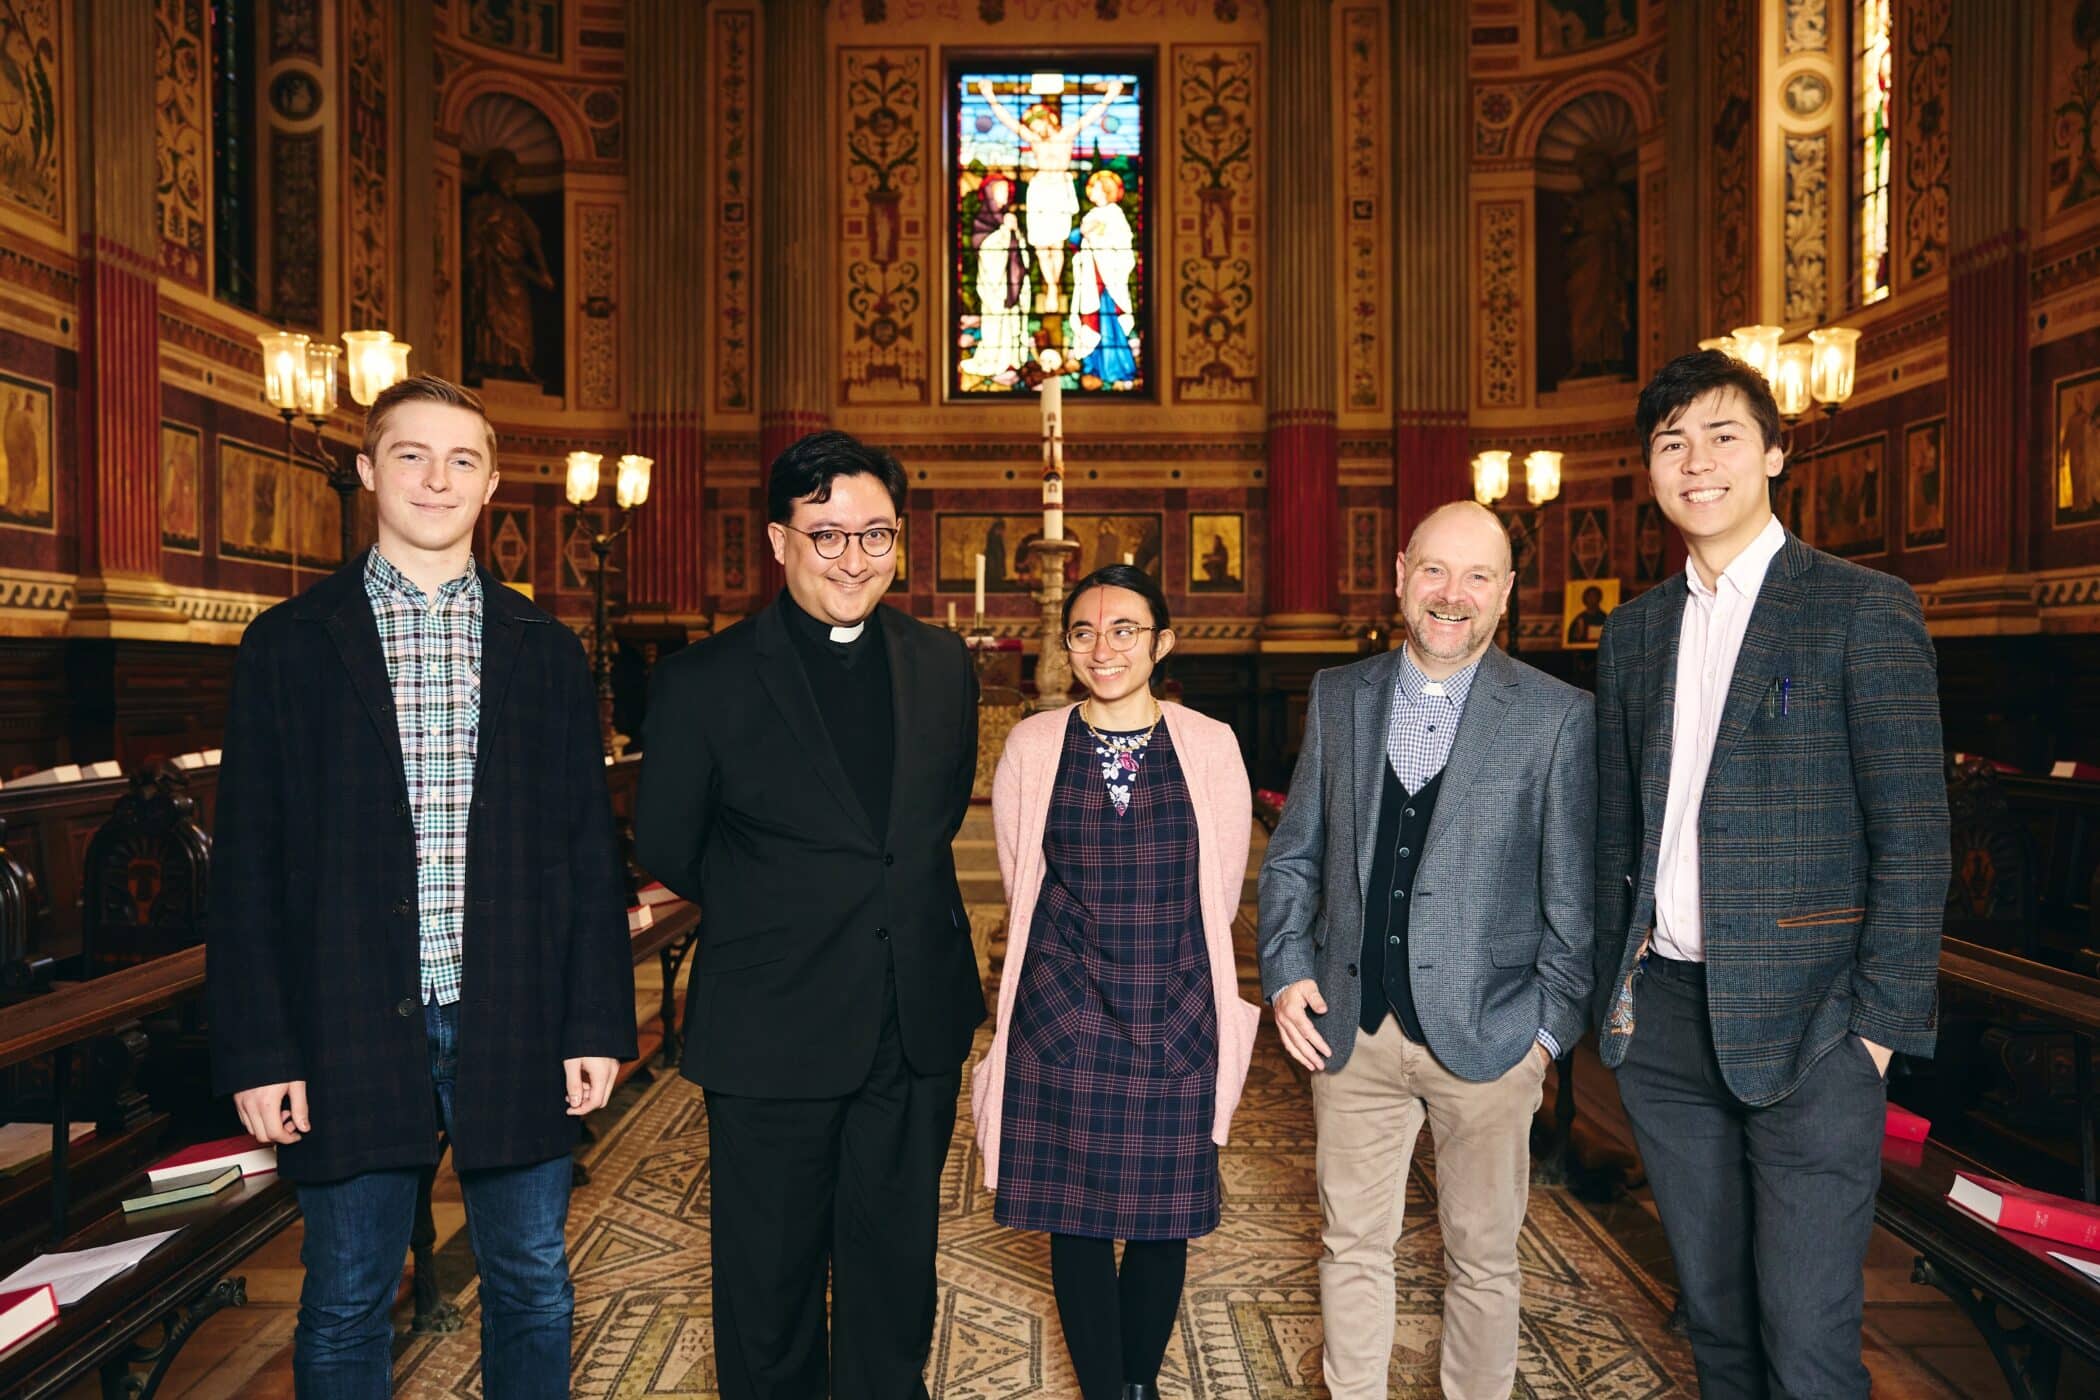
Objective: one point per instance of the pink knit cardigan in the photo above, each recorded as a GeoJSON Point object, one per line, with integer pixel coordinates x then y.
{"type": "Point", "coordinates": [1217, 779]}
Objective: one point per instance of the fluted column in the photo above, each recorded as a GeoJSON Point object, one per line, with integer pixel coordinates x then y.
{"type": "Point", "coordinates": [1431, 253]}
{"type": "Point", "coordinates": [668, 321]}
{"type": "Point", "coordinates": [118, 486]}
{"type": "Point", "coordinates": [1299, 325]}
{"type": "Point", "coordinates": [1988, 505]}
{"type": "Point", "coordinates": [797, 361]}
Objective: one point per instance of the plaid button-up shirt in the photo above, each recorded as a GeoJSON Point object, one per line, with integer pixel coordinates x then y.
{"type": "Point", "coordinates": [433, 658]}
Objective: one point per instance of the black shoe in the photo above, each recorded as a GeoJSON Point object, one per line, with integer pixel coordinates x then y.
{"type": "Point", "coordinates": [1133, 1391]}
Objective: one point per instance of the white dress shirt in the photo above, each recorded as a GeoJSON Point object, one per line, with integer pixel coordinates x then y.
{"type": "Point", "coordinates": [1708, 642]}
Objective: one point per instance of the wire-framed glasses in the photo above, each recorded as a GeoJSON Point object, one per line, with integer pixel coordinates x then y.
{"type": "Point", "coordinates": [830, 544]}
{"type": "Point", "coordinates": [1121, 637]}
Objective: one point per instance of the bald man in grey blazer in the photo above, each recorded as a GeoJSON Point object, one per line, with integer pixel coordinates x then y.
{"type": "Point", "coordinates": [1426, 925]}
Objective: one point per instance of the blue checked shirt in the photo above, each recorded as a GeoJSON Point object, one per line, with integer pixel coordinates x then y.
{"type": "Point", "coordinates": [1418, 737]}
{"type": "Point", "coordinates": [433, 658]}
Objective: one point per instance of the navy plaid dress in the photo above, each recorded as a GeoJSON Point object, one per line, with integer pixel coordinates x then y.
{"type": "Point", "coordinates": [1112, 1066]}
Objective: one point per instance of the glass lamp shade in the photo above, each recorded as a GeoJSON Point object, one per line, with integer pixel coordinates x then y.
{"type": "Point", "coordinates": [1758, 346]}
{"type": "Point", "coordinates": [583, 476]}
{"type": "Point", "coordinates": [1723, 343]}
{"type": "Point", "coordinates": [366, 364]}
{"type": "Point", "coordinates": [396, 352]}
{"type": "Point", "coordinates": [1790, 378]}
{"type": "Point", "coordinates": [1490, 477]}
{"type": "Point", "coordinates": [317, 388]}
{"type": "Point", "coordinates": [284, 368]}
{"type": "Point", "coordinates": [631, 482]}
{"type": "Point", "coordinates": [1836, 350]}
{"type": "Point", "coordinates": [1541, 476]}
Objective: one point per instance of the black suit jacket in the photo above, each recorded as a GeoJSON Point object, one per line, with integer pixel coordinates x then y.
{"type": "Point", "coordinates": [312, 963]}
{"type": "Point", "coordinates": [746, 810]}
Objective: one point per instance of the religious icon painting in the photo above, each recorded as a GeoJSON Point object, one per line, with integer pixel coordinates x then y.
{"type": "Point", "coordinates": [1793, 502]}
{"type": "Point", "coordinates": [1851, 497]}
{"type": "Point", "coordinates": [1218, 553]}
{"type": "Point", "coordinates": [1049, 226]}
{"type": "Point", "coordinates": [255, 509]}
{"type": "Point", "coordinates": [2075, 454]}
{"type": "Point", "coordinates": [1924, 485]}
{"type": "Point", "coordinates": [1117, 538]}
{"type": "Point", "coordinates": [1589, 541]}
{"type": "Point", "coordinates": [1585, 603]}
{"type": "Point", "coordinates": [317, 521]}
{"type": "Point", "coordinates": [25, 453]}
{"type": "Point", "coordinates": [181, 455]}
{"type": "Point", "coordinates": [728, 563]}
{"type": "Point", "coordinates": [1571, 26]}
{"type": "Point", "coordinates": [510, 544]}
{"type": "Point", "coordinates": [959, 539]}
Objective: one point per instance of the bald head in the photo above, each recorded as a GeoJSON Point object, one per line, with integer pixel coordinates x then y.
{"type": "Point", "coordinates": [1462, 529]}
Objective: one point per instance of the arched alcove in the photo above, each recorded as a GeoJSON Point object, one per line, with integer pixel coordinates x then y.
{"type": "Point", "coordinates": [1586, 168]}
{"type": "Point", "coordinates": [511, 236]}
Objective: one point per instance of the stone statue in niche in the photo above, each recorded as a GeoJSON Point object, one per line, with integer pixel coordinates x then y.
{"type": "Point", "coordinates": [504, 261]}
{"type": "Point", "coordinates": [1598, 254]}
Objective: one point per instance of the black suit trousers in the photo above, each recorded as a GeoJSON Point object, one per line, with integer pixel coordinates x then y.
{"type": "Point", "coordinates": [1768, 1211]}
{"type": "Point", "coordinates": [853, 1182]}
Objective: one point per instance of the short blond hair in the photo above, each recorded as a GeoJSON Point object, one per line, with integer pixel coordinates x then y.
{"type": "Point", "coordinates": [423, 388]}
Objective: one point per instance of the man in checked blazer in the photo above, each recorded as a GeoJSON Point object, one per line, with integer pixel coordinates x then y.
{"type": "Point", "coordinates": [1425, 935]}
{"type": "Point", "coordinates": [418, 912]}
{"type": "Point", "coordinates": [1771, 868]}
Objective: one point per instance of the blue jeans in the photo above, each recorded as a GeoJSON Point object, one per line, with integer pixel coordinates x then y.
{"type": "Point", "coordinates": [357, 1237]}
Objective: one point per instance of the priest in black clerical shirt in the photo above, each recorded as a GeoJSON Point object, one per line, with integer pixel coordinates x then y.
{"type": "Point", "coordinates": [803, 776]}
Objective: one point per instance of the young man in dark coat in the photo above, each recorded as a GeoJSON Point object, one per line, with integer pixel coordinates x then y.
{"type": "Point", "coordinates": [418, 914]}
{"type": "Point", "coordinates": [803, 776]}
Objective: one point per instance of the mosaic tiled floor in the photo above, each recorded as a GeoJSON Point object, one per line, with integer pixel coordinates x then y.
{"type": "Point", "coordinates": [1250, 1325]}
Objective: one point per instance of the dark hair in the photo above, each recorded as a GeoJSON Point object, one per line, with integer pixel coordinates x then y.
{"type": "Point", "coordinates": [1128, 576]}
{"type": "Point", "coordinates": [1688, 377]}
{"type": "Point", "coordinates": [805, 471]}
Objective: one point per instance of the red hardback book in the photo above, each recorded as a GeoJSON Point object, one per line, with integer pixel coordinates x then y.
{"type": "Point", "coordinates": [2012, 1207]}
{"type": "Point", "coordinates": [1902, 1123]}
{"type": "Point", "coordinates": [252, 1157]}
{"type": "Point", "coordinates": [24, 1313]}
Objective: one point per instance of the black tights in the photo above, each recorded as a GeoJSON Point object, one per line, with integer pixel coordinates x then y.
{"type": "Point", "coordinates": [1116, 1325]}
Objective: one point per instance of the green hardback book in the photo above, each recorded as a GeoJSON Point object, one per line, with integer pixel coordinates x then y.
{"type": "Point", "coordinates": [208, 1182]}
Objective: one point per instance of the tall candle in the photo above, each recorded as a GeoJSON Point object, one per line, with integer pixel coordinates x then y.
{"type": "Point", "coordinates": [1129, 558]}
{"type": "Point", "coordinates": [1053, 522]}
{"type": "Point", "coordinates": [980, 586]}
{"type": "Point", "coordinates": [951, 614]}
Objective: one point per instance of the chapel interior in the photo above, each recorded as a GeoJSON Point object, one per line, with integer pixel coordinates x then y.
{"type": "Point", "coordinates": [1349, 259]}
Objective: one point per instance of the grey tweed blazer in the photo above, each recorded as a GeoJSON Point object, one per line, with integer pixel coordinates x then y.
{"type": "Point", "coordinates": [1823, 827]}
{"type": "Point", "coordinates": [1500, 933]}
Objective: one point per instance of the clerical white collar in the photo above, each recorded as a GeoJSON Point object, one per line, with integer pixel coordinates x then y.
{"type": "Point", "coordinates": [849, 634]}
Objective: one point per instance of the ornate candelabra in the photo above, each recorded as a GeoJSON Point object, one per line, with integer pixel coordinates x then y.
{"type": "Point", "coordinates": [1053, 666]}
{"type": "Point", "coordinates": [630, 489]}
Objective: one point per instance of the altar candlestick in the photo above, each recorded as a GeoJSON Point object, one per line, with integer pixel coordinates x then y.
{"type": "Point", "coordinates": [980, 586]}
{"type": "Point", "coordinates": [951, 614]}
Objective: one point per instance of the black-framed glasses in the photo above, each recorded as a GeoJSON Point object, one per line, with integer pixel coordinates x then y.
{"type": "Point", "coordinates": [1120, 638]}
{"type": "Point", "coordinates": [830, 544]}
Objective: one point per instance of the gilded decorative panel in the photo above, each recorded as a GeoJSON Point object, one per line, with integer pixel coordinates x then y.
{"type": "Point", "coordinates": [181, 487]}
{"type": "Point", "coordinates": [1498, 237]}
{"type": "Point", "coordinates": [26, 444]}
{"type": "Point", "coordinates": [33, 140]}
{"type": "Point", "coordinates": [730, 52]}
{"type": "Point", "coordinates": [526, 28]}
{"type": "Point", "coordinates": [295, 29]}
{"type": "Point", "coordinates": [1364, 248]}
{"type": "Point", "coordinates": [295, 227]}
{"type": "Point", "coordinates": [1655, 276]}
{"type": "Point", "coordinates": [1217, 355]}
{"type": "Point", "coordinates": [1735, 151]}
{"type": "Point", "coordinates": [1496, 107]}
{"type": "Point", "coordinates": [2071, 55]}
{"type": "Point", "coordinates": [1922, 25]}
{"type": "Point", "coordinates": [882, 216]}
{"type": "Point", "coordinates": [598, 264]}
{"type": "Point", "coordinates": [182, 159]}
{"type": "Point", "coordinates": [1807, 230]}
{"type": "Point", "coordinates": [444, 206]}
{"type": "Point", "coordinates": [368, 241]}
{"type": "Point", "coordinates": [1807, 26]}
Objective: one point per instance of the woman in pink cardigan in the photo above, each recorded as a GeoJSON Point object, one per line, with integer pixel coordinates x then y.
{"type": "Point", "coordinates": [1122, 1043]}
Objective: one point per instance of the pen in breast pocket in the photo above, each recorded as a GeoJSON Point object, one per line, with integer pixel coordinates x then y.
{"type": "Point", "coordinates": [1786, 691]}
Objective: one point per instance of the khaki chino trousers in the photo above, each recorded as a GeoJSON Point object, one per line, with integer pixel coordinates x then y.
{"type": "Point", "coordinates": [1367, 1116]}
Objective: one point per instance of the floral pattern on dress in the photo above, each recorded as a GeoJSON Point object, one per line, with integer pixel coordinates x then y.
{"type": "Point", "coordinates": [1119, 755]}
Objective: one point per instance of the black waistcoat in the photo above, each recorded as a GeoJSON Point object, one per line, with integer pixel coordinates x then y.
{"type": "Point", "coordinates": [1403, 822]}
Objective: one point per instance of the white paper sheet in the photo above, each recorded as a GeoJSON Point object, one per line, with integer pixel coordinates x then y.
{"type": "Point", "coordinates": [2090, 1270]}
{"type": "Point", "coordinates": [75, 1275]}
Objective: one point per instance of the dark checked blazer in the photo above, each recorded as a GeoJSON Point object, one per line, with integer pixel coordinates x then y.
{"type": "Point", "coordinates": [311, 963]}
{"type": "Point", "coordinates": [1823, 857]}
{"type": "Point", "coordinates": [745, 808]}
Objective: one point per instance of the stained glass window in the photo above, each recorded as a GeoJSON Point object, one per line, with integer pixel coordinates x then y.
{"type": "Point", "coordinates": [1873, 76]}
{"type": "Point", "coordinates": [1049, 228]}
